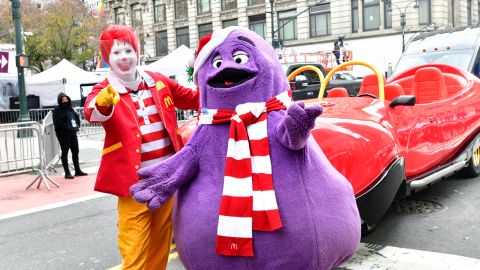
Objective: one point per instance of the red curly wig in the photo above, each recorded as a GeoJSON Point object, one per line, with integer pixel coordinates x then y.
{"type": "Point", "coordinates": [118, 32]}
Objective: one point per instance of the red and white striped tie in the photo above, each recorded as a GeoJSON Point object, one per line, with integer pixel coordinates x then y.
{"type": "Point", "coordinates": [248, 198]}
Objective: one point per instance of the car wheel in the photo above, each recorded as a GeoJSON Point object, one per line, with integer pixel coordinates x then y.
{"type": "Point", "coordinates": [367, 229]}
{"type": "Point", "coordinates": [473, 168]}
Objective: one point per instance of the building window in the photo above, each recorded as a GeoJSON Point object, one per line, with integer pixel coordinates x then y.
{"type": "Point", "coordinates": [136, 15]}
{"type": "Point", "coordinates": [229, 4]}
{"type": "Point", "coordinates": [203, 7]}
{"type": "Point", "coordinates": [289, 30]}
{"type": "Point", "coordinates": [320, 24]}
{"type": "Point", "coordinates": [228, 23]}
{"type": "Point", "coordinates": [255, 2]}
{"type": "Point", "coordinates": [469, 12]}
{"type": "Point", "coordinates": [424, 12]}
{"type": "Point", "coordinates": [371, 15]}
{"type": "Point", "coordinates": [204, 29]}
{"type": "Point", "coordinates": [387, 10]}
{"type": "Point", "coordinates": [159, 11]}
{"type": "Point", "coordinates": [257, 24]}
{"type": "Point", "coordinates": [355, 22]}
{"type": "Point", "coordinates": [181, 9]}
{"type": "Point", "coordinates": [182, 37]}
{"type": "Point", "coordinates": [119, 15]}
{"type": "Point", "coordinates": [161, 43]}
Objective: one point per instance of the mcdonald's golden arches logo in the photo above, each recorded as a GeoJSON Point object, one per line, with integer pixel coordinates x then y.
{"type": "Point", "coordinates": [168, 101]}
{"type": "Point", "coordinates": [159, 85]}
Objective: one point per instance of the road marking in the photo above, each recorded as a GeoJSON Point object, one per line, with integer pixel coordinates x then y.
{"type": "Point", "coordinates": [370, 256]}
{"type": "Point", "coordinates": [118, 267]}
{"type": "Point", "coordinates": [52, 206]}
{"type": "Point", "coordinates": [172, 256]}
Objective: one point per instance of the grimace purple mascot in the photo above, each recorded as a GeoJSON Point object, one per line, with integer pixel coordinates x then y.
{"type": "Point", "coordinates": [254, 189]}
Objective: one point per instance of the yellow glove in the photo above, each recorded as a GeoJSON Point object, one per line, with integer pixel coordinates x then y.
{"type": "Point", "coordinates": [107, 96]}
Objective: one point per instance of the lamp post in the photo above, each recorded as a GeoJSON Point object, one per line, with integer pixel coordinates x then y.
{"type": "Point", "coordinates": [403, 21]}
{"type": "Point", "coordinates": [21, 61]}
{"type": "Point", "coordinates": [271, 17]}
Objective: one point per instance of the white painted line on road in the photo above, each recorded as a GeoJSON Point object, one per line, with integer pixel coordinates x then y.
{"type": "Point", "coordinates": [52, 206]}
{"type": "Point", "coordinates": [394, 258]}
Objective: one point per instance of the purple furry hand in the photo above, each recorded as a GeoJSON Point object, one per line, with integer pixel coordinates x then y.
{"type": "Point", "coordinates": [295, 129]}
{"type": "Point", "coordinates": [158, 182]}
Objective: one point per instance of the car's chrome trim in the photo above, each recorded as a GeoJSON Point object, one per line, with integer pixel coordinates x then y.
{"type": "Point", "coordinates": [458, 163]}
{"type": "Point", "coordinates": [437, 176]}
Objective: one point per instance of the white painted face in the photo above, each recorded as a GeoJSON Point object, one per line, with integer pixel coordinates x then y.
{"type": "Point", "coordinates": [123, 61]}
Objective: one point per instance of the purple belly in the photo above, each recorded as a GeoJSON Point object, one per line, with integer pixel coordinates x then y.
{"type": "Point", "coordinates": [321, 226]}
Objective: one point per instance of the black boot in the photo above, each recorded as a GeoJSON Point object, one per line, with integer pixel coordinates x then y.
{"type": "Point", "coordinates": [76, 164]}
{"type": "Point", "coordinates": [80, 173]}
{"type": "Point", "coordinates": [68, 175]}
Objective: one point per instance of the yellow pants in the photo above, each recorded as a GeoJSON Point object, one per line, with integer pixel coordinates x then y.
{"type": "Point", "coordinates": [144, 236]}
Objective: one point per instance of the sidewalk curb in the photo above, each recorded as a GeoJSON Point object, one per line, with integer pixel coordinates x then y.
{"type": "Point", "coordinates": [52, 206]}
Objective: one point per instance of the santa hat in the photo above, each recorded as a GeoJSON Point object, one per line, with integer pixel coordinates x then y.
{"type": "Point", "coordinates": [118, 32]}
{"type": "Point", "coordinates": [206, 45]}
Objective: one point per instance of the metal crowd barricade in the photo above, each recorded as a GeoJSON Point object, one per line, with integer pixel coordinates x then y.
{"type": "Point", "coordinates": [22, 150]}
{"type": "Point", "coordinates": [52, 146]}
{"type": "Point", "coordinates": [185, 115]}
{"type": "Point", "coordinates": [11, 116]}
{"type": "Point", "coordinates": [86, 128]}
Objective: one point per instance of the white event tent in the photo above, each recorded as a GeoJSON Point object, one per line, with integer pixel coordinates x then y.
{"type": "Point", "coordinates": [63, 77]}
{"type": "Point", "coordinates": [174, 64]}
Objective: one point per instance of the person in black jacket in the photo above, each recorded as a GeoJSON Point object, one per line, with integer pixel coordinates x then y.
{"type": "Point", "coordinates": [338, 48]}
{"type": "Point", "coordinates": [67, 123]}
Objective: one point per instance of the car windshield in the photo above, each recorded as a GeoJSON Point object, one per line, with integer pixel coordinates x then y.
{"type": "Point", "coordinates": [459, 58]}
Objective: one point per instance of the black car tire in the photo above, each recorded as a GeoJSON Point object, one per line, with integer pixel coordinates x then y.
{"type": "Point", "coordinates": [473, 168]}
{"type": "Point", "coordinates": [366, 230]}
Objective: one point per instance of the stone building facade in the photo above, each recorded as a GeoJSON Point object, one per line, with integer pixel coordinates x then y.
{"type": "Point", "coordinates": [163, 25]}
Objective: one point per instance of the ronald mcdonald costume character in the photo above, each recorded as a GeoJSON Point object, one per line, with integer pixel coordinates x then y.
{"type": "Point", "coordinates": [254, 189]}
{"type": "Point", "coordinates": [137, 111]}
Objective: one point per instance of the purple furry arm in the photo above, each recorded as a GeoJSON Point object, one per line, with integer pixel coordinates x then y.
{"type": "Point", "coordinates": [159, 182]}
{"type": "Point", "coordinates": [295, 128]}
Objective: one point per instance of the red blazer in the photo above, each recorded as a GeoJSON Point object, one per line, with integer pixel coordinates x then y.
{"type": "Point", "coordinates": [122, 148]}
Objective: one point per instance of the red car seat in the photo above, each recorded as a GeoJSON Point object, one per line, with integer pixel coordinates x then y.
{"type": "Point", "coordinates": [337, 92]}
{"type": "Point", "coordinates": [429, 85]}
{"type": "Point", "coordinates": [393, 90]}
{"type": "Point", "coordinates": [370, 85]}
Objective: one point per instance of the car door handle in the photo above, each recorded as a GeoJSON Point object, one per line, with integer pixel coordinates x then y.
{"type": "Point", "coordinates": [431, 118]}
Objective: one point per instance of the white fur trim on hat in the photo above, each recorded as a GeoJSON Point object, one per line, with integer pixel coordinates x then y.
{"type": "Point", "coordinates": [218, 36]}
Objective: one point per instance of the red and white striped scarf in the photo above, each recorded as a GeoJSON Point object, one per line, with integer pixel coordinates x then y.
{"type": "Point", "coordinates": [248, 198]}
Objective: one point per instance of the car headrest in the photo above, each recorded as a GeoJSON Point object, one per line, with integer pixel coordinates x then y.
{"type": "Point", "coordinates": [370, 85]}
{"type": "Point", "coordinates": [337, 92]}
{"type": "Point", "coordinates": [429, 85]}
{"type": "Point", "coordinates": [393, 90]}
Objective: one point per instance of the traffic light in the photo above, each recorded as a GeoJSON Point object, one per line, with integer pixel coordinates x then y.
{"type": "Point", "coordinates": [22, 61]}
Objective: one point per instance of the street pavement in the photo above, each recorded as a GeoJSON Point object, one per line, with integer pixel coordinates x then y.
{"type": "Point", "coordinates": [73, 227]}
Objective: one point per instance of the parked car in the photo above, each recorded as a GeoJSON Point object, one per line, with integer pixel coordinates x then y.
{"type": "Point", "coordinates": [307, 84]}
{"type": "Point", "coordinates": [393, 147]}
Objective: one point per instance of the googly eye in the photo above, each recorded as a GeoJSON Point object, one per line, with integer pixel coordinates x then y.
{"type": "Point", "coordinates": [240, 57]}
{"type": "Point", "coordinates": [217, 62]}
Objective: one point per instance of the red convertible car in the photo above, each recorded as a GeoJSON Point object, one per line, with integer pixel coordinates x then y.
{"type": "Point", "coordinates": [398, 138]}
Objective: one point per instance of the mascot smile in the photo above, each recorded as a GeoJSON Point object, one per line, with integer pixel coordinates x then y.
{"type": "Point", "coordinates": [254, 190]}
